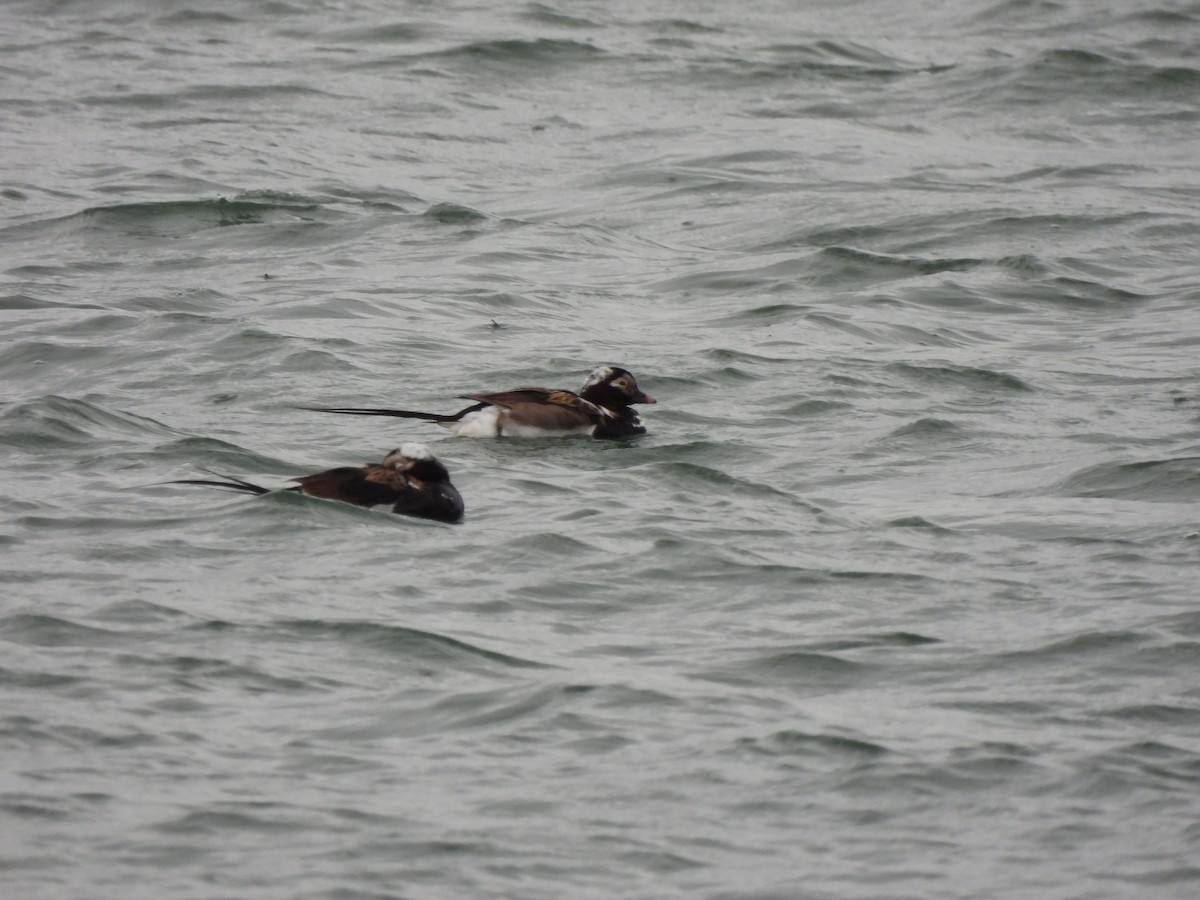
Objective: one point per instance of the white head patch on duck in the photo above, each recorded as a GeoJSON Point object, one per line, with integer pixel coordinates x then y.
{"type": "Point", "coordinates": [599, 375]}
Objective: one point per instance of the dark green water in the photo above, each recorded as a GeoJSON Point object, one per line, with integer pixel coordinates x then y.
{"type": "Point", "coordinates": [896, 599]}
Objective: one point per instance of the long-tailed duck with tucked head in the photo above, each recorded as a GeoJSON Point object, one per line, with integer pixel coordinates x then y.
{"type": "Point", "coordinates": [409, 481]}
{"type": "Point", "coordinates": [601, 409]}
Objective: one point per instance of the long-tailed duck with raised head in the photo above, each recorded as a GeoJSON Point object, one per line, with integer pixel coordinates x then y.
{"type": "Point", "coordinates": [409, 481]}
{"type": "Point", "coordinates": [601, 409]}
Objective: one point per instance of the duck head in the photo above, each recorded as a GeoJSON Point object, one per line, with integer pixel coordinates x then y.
{"type": "Point", "coordinates": [613, 388]}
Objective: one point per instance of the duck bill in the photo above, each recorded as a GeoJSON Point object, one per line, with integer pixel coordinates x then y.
{"type": "Point", "coordinates": [642, 397]}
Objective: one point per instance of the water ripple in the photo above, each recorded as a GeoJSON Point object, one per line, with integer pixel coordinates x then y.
{"type": "Point", "coordinates": [1162, 480]}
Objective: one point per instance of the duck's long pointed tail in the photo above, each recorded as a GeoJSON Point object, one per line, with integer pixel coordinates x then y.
{"type": "Point", "coordinates": [396, 413]}
{"type": "Point", "coordinates": [230, 483]}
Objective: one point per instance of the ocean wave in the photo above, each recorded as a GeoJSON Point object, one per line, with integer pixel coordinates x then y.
{"type": "Point", "coordinates": [820, 60]}
{"type": "Point", "coordinates": [827, 749]}
{"type": "Point", "coordinates": [1160, 480]}
{"type": "Point", "coordinates": [38, 630]}
{"type": "Point", "coordinates": [804, 670]}
{"type": "Point", "coordinates": [962, 377]}
{"type": "Point", "coordinates": [411, 645]}
{"type": "Point", "coordinates": [62, 422]}
{"type": "Point", "coordinates": [486, 58]}
{"type": "Point", "coordinates": [171, 220]}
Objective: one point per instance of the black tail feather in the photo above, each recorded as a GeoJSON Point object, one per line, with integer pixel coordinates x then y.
{"type": "Point", "coordinates": [396, 413]}
{"type": "Point", "coordinates": [230, 484]}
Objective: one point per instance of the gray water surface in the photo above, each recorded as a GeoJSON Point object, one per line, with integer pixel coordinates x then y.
{"type": "Point", "coordinates": [898, 597]}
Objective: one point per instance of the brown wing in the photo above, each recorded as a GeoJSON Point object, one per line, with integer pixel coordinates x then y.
{"type": "Point", "coordinates": [386, 476]}
{"type": "Point", "coordinates": [533, 396]}
{"type": "Point", "coordinates": [550, 417]}
{"type": "Point", "coordinates": [520, 395]}
{"type": "Point", "coordinates": [545, 408]}
{"type": "Point", "coordinates": [371, 485]}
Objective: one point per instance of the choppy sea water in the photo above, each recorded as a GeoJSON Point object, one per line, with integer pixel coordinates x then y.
{"type": "Point", "coordinates": [898, 597]}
